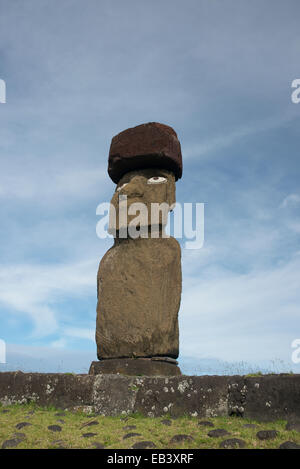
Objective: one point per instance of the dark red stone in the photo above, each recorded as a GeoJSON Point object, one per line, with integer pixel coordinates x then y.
{"type": "Point", "coordinates": [151, 145]}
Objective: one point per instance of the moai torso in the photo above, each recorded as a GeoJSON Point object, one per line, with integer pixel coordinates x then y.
{"type": "Point", "coordinates": [139, 289]}
{"type": "Point", "coordinates": [139, 278]}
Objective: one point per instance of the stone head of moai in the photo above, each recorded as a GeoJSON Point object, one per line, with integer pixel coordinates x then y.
{"type": "Point", "coordinates": [144, 162]}
{"type": "Point", "coordinates": [139, 278]}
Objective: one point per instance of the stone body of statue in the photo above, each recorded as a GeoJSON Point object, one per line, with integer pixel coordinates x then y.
{"type": "Point", "coordinates": [139, 278]}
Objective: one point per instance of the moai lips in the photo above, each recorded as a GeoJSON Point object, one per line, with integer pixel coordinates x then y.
{"type": "Point", "coordinates": [139, 279]}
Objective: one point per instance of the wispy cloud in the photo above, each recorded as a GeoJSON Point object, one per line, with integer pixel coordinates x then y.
{"type": "Point", "coordinates": [242, 317]}
{"type": "Point", "coordinates": [59, 343]}
{"type": "Point", "coordinates": [67, 185]}
{"type": "Point", "coordinates": [222, 141]}
{"type": "Point", "coordinates": [32, 290]}
{"type": "Point", "coordinates": [291, 199]}
{"type": "Point", "coordinates": [82, 333]}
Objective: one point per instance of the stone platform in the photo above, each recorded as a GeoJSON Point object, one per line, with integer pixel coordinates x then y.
{"type": "Point", "coordinates": [267, 397]}
{"type": "Point", "coordinates": [155, 366]}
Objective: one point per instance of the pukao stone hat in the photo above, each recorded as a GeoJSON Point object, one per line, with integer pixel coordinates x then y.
{"type": "Point", "coordinates": [151, 145]}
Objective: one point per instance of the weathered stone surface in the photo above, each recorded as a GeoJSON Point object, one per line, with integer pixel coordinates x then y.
{"type": "Point", "coordinates": [139, 290]}
{"type": "Point", "coordinates": [12, 443]}
{"type": "Point", "coordinates": [155, 189]}
{"type": "Point", "coordinates": [21, 425]}
{"type": "Point", "coordinates": [134, 367]}
{"type": "Point", "coordinates": [267, 434]}
{"type": "Point", "coordinates": [237, 397]}
{"type": "Point", "coordinates": [165, 359]}
{"type": "Point", "coordinates": [293, 426]}
{"type": "Point", "coordinates": [98, 445]}
{"type": "Point", "coordinates": [218, 432]}
{"type": "Point", "coordinates": [62, 390]}
{"type": "Point", "coordinates": [289, 445]}
{"type": "Point", "coordinates": [151, 145]}
{"type": "Point", "coordinates": [205, 423]}
{"type": "Point", "coordinates": [58, 444]}
{"type": "Point", "coordinates": [272, 397]}
{"type": "Point", "coordinates": [130, 435]}
{"type": "Point", "coordinates": [199, 396]}
{"type": "Point", "coordinates": [54, 428]}
{"type": "Point", "coordinates": [166, 422]}
{"type": "Point", "coordinates": [129, 427]}
{"type": "Point", "coordinates": [91, 423]}
{"type": "Point", "coordinates": [139, 278]}
{"type": "Point", "coordinates": [181, 438]}
{"type": "Point", "coordinates": [233, 443]}
{"type": "Point", "coordinates": [89, 435]}
{"type": "Point", "coordinates": [250, 425]}
{"type": "Point", "coordinates": [114, 394]}
{"type": "Point", "coordinates": [19, 435]}
{"type": "Point", "coordinates": [204, 396]}
{"type": "Point", "coordinates": [143, 445]}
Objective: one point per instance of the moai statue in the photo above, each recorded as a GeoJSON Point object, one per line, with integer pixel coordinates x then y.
{"type": "Point", "coordinates": [139, 278]}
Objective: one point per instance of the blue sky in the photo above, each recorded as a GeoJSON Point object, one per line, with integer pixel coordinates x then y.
{"type": "Point", "coordinates": [218, 72]}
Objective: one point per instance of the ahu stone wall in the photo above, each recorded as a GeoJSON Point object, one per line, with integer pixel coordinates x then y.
{"type": "Point", "coordinates": [267, 397]}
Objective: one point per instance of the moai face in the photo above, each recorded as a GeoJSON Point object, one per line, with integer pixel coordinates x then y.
{"type": "Point", "coordinates": [143, 198]}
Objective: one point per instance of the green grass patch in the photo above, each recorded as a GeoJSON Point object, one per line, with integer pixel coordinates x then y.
{"type": "Point", "coordinates": [110, 430]}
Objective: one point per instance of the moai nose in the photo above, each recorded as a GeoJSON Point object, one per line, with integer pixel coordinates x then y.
{"type": "Point", "coordinates": [135, 188]}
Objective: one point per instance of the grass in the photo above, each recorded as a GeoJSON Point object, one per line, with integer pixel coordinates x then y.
{"type": "Point", "coordinates": [110, 430]}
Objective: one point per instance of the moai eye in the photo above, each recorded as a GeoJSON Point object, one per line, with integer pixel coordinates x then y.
{"type": "Point", "coordinates": [156, 180]}
{"type": "Point", "coordinates": [121, 187]}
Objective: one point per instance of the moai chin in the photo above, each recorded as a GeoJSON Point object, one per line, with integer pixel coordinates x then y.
{"type": "Point", "coordinates": [139, 278]}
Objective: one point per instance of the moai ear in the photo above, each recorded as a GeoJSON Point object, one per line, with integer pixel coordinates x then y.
{"type": "Point", "coordinates": [171, 192]}
{"type": "Point", "coordinates": [113, 221]}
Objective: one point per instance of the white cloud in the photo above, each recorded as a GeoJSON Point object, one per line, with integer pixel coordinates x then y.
{"type": "Point", "coordinates": [59, 343]}
{"type": "Point", "coordinates": [250, 316]}
{"type": "Point", "coordinates": [81, 333]}
{"type": "Point", "coordinates": [294, 226]}
{"type": "Point", "coordinates": [67, 184]}
{"type": "Point", "coordinates": [53, 359]}
{"type": "Point", "coordinates": [291, 199]}
{"type": "Point", "coordinates": [222, 141]}
{"type": "Point", "coordinates": [31, 290]}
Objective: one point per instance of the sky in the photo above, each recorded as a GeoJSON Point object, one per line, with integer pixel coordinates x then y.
{"type": "Point", "coordinates": [220, 73]}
